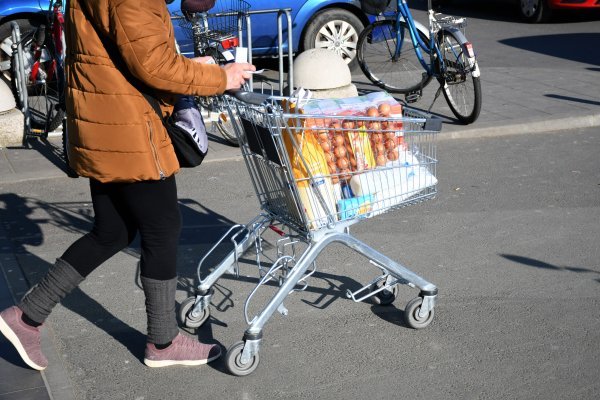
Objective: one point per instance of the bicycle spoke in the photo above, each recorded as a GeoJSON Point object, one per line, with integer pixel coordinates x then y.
{"type": "Point", "coordinates": [400, 72]}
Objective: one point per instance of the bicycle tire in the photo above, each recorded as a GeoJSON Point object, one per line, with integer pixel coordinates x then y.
{"type": "Point", "coordinates": [65, 149]}
{"type": "Point", "coordinates": [225, 128]}
{"type": "Point", "coordinates": [461, 89]}
{"type": "Point", "coordinates": [43, 96]}
{"type": "Point", "coordinates": [376, 47]}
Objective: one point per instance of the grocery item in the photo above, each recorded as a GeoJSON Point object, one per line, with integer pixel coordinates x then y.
{"type": "Point", "coordinates": [355, 207]}
{"type": "Point", "coordinates": [308, 160]}
{"type": "Point", "coordinates": [391, 186]}
{"type": "Point", "coordinates": [361, 148]}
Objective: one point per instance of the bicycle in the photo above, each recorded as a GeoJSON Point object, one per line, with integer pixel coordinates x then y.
{"type": "Point", "coordinates": [216, 35]}
{"type": "Point", "coordinates": [390, 53]}
{"type": "Point", "coordinates": [38, 80]}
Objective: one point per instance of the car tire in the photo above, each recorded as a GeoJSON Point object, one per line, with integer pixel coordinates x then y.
{"type": "Point", "coordinates": [335, 29]}
{"type": "Point", "coordinates": [25, 25]}
{"type": "Point", "coordinates": [535, 11]}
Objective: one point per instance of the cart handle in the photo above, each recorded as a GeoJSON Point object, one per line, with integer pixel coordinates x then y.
{"type": "Point", "coordinates": [252, 98]}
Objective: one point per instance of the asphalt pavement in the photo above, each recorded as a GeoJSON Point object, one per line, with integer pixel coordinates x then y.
{"type": "Point", "coordinates": [44, 211]}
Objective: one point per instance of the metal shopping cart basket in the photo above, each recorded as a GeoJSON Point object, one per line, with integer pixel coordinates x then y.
{"type": "Point", "coordinates": [315, 176]}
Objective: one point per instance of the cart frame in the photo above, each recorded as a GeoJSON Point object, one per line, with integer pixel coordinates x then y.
{"type": "Point", "coordinates": [270, 167]}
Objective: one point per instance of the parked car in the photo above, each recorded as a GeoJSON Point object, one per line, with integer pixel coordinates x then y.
{"type": "Point", "coordinates": [536, 11]}
{"type": "Point", "coordinates": [333, 24]}
{"type": "Point", "coordinates": [541, 10]}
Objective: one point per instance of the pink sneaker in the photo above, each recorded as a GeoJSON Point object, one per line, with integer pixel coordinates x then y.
{"type": "Point", "coordinates": [25, 338]}
{"type": "Point", "coordinates": [183, 351]}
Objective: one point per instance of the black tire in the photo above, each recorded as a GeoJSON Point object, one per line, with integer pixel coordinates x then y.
{"type": "Point", "coordinates": [43, 95]}
{"type": "Point", "coordinates": [535, 11]}
{"type": "Point", "coordinates": [25, 26]}
{"type": "Point", "coordinates": [334, 29]}
{"type": "Point", "coordinates": [186, 320]}
{"type": "Point", "coordinates": [386, 296]}
{"type": "Point", "coordinates": [376, 48]}
{"type": "Point", "coordinates": [462, 89]}
{"type": "Point", "coordinates": [411, 314]}
{"type": "Point", "coordinates": [226, 129]}
{"type": "Point", "coordinates": [65, 147]}
{"type": "Point", "coordinates": [234, 364]}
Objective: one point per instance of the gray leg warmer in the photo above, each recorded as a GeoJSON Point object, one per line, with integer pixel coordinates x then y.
{"type": "Point", "coordinates": [160, 309]}
{"type": "Point", "coordinates": [60, 280]}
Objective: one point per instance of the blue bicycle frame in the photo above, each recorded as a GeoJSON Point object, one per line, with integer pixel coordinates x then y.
{"type": "Point", "coordinates": [404, 12]}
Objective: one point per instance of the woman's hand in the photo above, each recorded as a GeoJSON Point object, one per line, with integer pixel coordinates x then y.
{"type": "Point", "coordinates": [237, 74]}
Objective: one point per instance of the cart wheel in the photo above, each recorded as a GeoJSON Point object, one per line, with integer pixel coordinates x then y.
{"type": "Point", "coordinates": [234, 363]}
{"type": "Point", "coordinates": [186, 320]}
{"type": "Point", "coordinates": [411, 314]}
{"type": "Point", "coordinates": [385, 297]}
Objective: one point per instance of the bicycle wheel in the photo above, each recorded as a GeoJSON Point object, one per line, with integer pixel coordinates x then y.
{"type": "Point", "coordinates": [376, 56]}
{"type": "Point", "coordinates": [225, 127]}
{"type": "Point", "coordinates": [462, 89]}
{"type": "Point", "coordinates": [43, 93]}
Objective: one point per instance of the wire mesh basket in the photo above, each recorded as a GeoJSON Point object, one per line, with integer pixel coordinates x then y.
{"type": "Point", "coordinates": [313, 171]}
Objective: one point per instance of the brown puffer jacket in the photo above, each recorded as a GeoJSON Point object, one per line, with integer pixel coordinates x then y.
{"type": "Point", "coordinates": [115, 47]}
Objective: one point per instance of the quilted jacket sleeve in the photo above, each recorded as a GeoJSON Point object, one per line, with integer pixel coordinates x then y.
{"type": "Point", "coordinates": [144, 36]}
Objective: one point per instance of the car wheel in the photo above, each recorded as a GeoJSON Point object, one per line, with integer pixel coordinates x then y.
{"type": "Point", "coordinates": [25, 25]}
{"type": "Point", "coordinates": [334, 29]}
{"type": "Point", "coordinates": [535, 11]}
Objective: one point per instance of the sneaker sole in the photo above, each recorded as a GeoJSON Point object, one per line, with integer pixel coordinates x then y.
{"type": "Point", "coordinates": [167, 363]}
{"type": "Point", "coordinates": [12, 337]}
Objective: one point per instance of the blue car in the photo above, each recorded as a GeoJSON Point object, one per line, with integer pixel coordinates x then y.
{"type": "Point", "coordinates": [332, 24]}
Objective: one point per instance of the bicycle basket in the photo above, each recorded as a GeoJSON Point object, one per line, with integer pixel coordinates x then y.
{"type": "Point", "coordinates": [224, 18]}
{"type": "Point", "coordinates": [374, 7]}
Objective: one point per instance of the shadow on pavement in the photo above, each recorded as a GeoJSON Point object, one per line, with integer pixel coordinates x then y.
{"type": "Point", "coordinates": [573, 99]}
{"type": "Point", "coordinates": [566, 46]}
{"type": "Point", "coordinates": [24, 219]}
{"type": "Point", "coordinates": [20, 218]}
{"type": "Point", "coordinates": [531, 262]}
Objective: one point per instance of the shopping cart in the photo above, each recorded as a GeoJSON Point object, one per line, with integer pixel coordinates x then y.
{"type": "Point", "coordinates": [313, 181]}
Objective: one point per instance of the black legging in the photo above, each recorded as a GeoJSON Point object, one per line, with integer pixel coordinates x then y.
{"type": "Point", "coordinates": [123, 209]}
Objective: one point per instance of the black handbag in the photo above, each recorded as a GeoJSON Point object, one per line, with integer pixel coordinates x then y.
{"type": "Point", "coordinates": [186, 129]}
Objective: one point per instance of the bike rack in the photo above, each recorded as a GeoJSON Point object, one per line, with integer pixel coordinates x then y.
{"type": "Point", "coordinates": [280, 13]}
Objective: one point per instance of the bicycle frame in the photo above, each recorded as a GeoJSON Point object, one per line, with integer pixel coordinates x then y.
{"type": "Point", "coordinates": [418, 43]}
{"type": "Point", "coordinates": [56, 23]}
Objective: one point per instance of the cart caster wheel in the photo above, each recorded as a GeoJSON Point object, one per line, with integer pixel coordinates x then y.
{"type": "Point", "coordinates": [411, 314]}
{"type": "Point", "coordinates": [234, 364]}
{"type": "Point", "coordinates": [385, 297]}
{"type": "Point", "coordinates": [185, 318]}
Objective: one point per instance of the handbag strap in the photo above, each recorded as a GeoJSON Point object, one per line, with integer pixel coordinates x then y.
{"type": "Point", "coordinates": [153, 102]}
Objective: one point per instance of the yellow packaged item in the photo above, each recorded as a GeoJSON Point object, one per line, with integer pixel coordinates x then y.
{"type": "Point", "coordinates": [308, 159]}
{"type": "Point", "coordinates": [361, 147]}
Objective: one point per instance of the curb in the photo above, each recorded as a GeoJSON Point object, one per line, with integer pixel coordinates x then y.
{"type": "Point", "coordinates": [220, 153]}
{"type": "Point", "coordinates": [524, 126]}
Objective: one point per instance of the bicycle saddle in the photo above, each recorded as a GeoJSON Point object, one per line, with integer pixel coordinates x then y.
{"type": "Point", "coordinates": [195, 6]}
